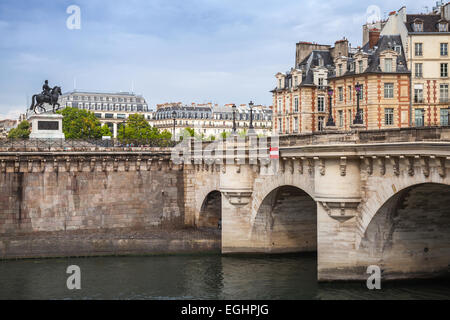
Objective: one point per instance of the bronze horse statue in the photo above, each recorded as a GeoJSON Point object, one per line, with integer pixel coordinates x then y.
{"type": "Point", "coordinates": [39, 99]}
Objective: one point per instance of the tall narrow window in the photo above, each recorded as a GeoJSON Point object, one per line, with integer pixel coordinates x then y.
{"type": "Point", "coordinates": [419, 117]}
{"type": "Point", "coordinates": [444, 49]}
{"type": "Point", "coordinates": [418, 70]}
{"type": "Point", "coordinates": [295, 124]}
{"type": "Point", "coordinates": [341, 118]}
{"type": "Point", "coordinates": [418, 94]}
{"type": "Point", "coordinates": [321, 104]}
{"type": "Point", "coordinates": [389, 90]}
{"type": "Point", "coordinates": [444, 117]}
{"type": "Point", "coordinates": [349, 93]}
{"type": "Point", "coordinates": [418, 49]}
{"type": "Point", "coordinates": [296, 104]}
{"type": "Point", "coordinates": [341, 94]}
{"type": "Point", "coordinates": [443, 90]}
{"type": "Point", "coordinates": [360, 65]}
{"type": "Point", "coordinates": [388, 116]}
{"type": "Point", "coordinates": [387, 65]}
{"type": "Point", "coordinates": [320, 123]}
{"type": "Point", "coordinates": [444, 70]}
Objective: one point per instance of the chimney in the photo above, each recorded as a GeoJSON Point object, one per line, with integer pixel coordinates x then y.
{"type": "Point", "coordinates": [374, 36]}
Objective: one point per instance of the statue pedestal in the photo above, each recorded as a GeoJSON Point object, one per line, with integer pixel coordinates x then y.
{"type": "Point", "coordinates": [46, 126]}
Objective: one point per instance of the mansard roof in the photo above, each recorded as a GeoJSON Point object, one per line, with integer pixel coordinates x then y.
{"type": "Point", "coordinates": [430, 22]}
{"type": "Point", "coordinates": [313, 60]}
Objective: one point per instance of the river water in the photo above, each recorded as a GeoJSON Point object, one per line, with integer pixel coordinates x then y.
{"type": "Point", "coordinates": [194, 277]}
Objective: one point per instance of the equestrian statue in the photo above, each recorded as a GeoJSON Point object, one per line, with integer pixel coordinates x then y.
{"type": "Point", "coordinates": [48, 95]}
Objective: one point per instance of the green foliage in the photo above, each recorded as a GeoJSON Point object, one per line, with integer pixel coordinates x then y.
{"type": "Point", "coordinates": [224, 135]}
{"type": "Point", "coordinates": [212, 138]}
{"type": "Point", "coordinates": [138, 129]}
{"type": "Point", "coordinates": [243, 133]}
{"type": "Point", "coordinates": [105, 131]}
{"type": "Point", "coordinates": [21, 132]}
{"type": "Point", "coordinates": [80, 124]}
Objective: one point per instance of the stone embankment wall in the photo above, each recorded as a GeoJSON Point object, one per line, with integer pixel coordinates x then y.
{"type": "Point", "coordinates": [46, 200]}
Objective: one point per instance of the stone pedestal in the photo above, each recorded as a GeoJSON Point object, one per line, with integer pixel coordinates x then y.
{"type": "Point", "coordinates": [46, 126]}
{"type": "Point", "coordinates": [330, 129]}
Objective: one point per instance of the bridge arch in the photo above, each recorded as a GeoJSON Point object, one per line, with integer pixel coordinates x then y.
{"type": "Point", "coordinates": [381, 190]}
{"type": "Point", "coordinates": [286, 221]}
{"type": "Point", "coordinates": [210, 214]}
{"type": "Point", "coordinates": [412, 228]}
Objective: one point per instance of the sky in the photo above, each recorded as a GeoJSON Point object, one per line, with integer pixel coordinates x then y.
{"type": "Point", "coordinates": [220, 51]}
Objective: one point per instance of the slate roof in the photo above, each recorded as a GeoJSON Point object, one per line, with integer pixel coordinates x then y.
{"type": "Point", "coordinates": [430, 22]}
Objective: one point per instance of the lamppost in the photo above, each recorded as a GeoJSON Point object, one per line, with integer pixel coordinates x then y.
{"type": "Point", "coordinates": [174, 116]}
{"type": "Point", "coordinates": [358, 118]}
{"type": "Point", "coordinates": [330, 121]}
{"type": "Point", "coordinates": [250, 127]}
{"type": "Point", "coordinates": [234, 118]}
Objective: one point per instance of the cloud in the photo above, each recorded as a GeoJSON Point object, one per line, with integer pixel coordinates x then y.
{"type": "Point", "coordinates": [175, 50]}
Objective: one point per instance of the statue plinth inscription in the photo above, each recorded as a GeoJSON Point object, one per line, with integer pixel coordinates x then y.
{"type": "Point", "coordinates": [46, 126]}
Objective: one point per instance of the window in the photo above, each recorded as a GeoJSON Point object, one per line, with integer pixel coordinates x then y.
{"type": "Point", "coordinates": [418, 70]}
{"type": "Point", "coordinates": [444, 49]}
{"type": "Point", "coordinates": [341, 118]}
{"type": "Point", "coordinates": [419, 117]}
{"type": "Point", "coordinates": [444, 117]}
{"type": "Point", "coordinates": [320, 82]}
{"type": "Point", "coordinates": [341, 94]}
{"type": "Point", "coordinates": [443, 27]}
{"type": "Point", "coordinates": [360, 63]}
{"type": "Point", "coordinates": [418, 26]}
{"type": "Point", "coordinates": [418, 49]}
{"type": "Point", "coordinates": [321, 104]}
{"type": "Point", "coordinates": [444, 70]}
{"type": "Point", "coordinates": [350, 119]}
{"type": "Point", "coordinates": [109, 115]}
{"type": "Point", "coordinates": [340, 69]}
{"type": "Point", "coordinates": [388, 116]}
{"type": "Point", "coordinates": [387, 65]}
{"type": "Point", "coordinates": [389, 90]}
{"type": "Point", "coordinates": [418, 94]}
{"type": "Point", "coordinates": [320, 123]}
{"type": "Point", "coordinates": [279, 83]}
{"type": "Point", "coordinates": [296, 104]}
{"type": "Point", "coordinates": [398, 49]}
{"type": "Point", "coordinates": [443, 92]}
{"type": "Point", "coordinates": [295, 81]}
{"type": "Point", "coordinates": [295, 124]}
{"type": "Point", "coordinates": [280, 125]}
{"type": "Point", "coordinates": [361, 92]}
{"type": "Point", "coordinates": [288, 104]}
{"type": "Point", "coordinates": [349, 93]}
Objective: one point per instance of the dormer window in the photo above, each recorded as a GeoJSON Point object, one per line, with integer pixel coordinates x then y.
{"type": "Point", "coordinates": [360, 64]}
{"type": "Point", "coordinates": [398, 49]}
{"type": "Point", "coordinates": [279, 83]}
{"type": "Point", "coordinates": [418, 26]}
{"type": "Point", "coordinates": [340, 69]}
{"type": "Point", "coordinates": [443, 26]}
{"type": "Point", "coordinates": [387, 65]}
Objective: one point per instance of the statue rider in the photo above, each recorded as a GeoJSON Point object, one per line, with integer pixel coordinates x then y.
{"type": "Point", "coordinates": [46, 90]}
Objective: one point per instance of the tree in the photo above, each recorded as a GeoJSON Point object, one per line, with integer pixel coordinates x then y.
{"type": "Point", "coordinates": [224, 135]}
{"type": "Point", "coordinates": [105, 131]}
{"type": "Point", "coordinates": [21, 132]}
{"type": "Point", "coordinates": [138, 129]}
{"type": "Point", "coordinates": [80, 124]}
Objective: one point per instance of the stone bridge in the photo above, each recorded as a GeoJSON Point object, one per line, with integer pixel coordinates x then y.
{"type": "Point", "coordinates": [357, 199]}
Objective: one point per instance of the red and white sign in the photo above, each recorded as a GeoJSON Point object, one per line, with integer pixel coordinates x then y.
{"type": "Point", "coordinates": [274, 153]}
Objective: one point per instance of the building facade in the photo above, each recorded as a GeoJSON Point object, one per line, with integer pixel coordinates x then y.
{"type": "Point", "coordinates": [399, 77]}
{"type": "Point", "coordinates": [210, 119]}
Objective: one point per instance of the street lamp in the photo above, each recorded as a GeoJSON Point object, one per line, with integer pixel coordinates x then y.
{"type": "Point", "coordinates": [174, 116]}
{"type": "Point", "coordinates": [234, 118]}
{"type": "Point", "coordinates": [250, 128]}
{"type": "Point", "coordinates": [330, 121]}
{"type": "Point", "coordinates": [358, 118]}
